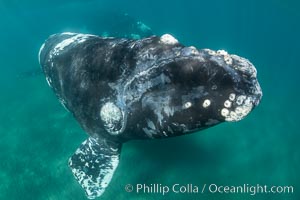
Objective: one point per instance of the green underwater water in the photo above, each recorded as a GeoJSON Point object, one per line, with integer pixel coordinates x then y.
{"type": "Point", "coordinates": [37, 136]}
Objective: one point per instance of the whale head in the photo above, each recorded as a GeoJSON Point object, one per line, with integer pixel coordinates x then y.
{"type": "Point", "coordinates": [199, 89]}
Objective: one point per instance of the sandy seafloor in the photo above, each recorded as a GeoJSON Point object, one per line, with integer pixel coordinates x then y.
{"type": "Point", "coordinates": [37, 136]}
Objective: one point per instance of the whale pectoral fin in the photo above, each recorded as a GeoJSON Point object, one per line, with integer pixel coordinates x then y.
{"type": "Point", "coordinates": [93, 165]}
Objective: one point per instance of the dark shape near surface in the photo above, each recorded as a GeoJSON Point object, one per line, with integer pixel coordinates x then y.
{"type": "Point", "coordinates": [124, 89]}
{"type": "Point", "coordinates": [125, 26]}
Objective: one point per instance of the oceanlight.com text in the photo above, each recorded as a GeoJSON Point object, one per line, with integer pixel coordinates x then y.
{"type": "Point", "coordinates": [177, 188]}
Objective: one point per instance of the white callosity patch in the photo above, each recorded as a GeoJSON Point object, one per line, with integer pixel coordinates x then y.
{"type": "Point", "coordinates": [206, 103]}
{"type": "Point", "coordinates": [168, 39]}
{"type": "Point", "coordinates": [187, 105]}
{"type": "Point", "coordinates": [227, 104]}
{"type": "Point", "coordinates": [240, 99]}
{"type": "Point", "coordinates": [244, 106]}
{"type": "Point", "coordinates": [227, 57]}
{"type": "Point", "coordinates": [224, 112]}
{"type": "Point", "coordinates": [232, 97]}
{"type": "Point", "coordinates": [241, 111]}
{"type": "Point", "coordinates": [210, 52]}
{"type": "Point", "coordinates": [93, 165]}
{"type": "Point", "coordinates": [112, 117]}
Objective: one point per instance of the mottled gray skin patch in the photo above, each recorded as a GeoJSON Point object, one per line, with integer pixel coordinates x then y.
{"type": "Point", "coordinates": [93, 165]}
{"type": "Point", "coordinates": [124, 89]}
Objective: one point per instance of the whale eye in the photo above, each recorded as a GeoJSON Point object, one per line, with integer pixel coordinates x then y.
{"type": "Point", "coordinates": [112, 118]}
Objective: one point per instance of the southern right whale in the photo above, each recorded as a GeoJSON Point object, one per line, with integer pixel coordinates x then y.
{"type": "Point", "coordinates": [122, 89]}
